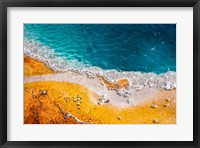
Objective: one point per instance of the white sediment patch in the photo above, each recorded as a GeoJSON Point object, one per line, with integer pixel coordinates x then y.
{"type": "Point", "coordinates": [133, 97]}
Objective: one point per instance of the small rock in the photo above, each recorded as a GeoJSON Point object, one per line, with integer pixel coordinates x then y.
{"type": "Point", "coordinates": [98, 103]}
{"type": "Point", "coordinates": [150, 84]}
{"type": "Point", "coordinates": [44, 92]}
{"type": "Point", "coordinates": [126, 94]}
{"type": "Point", "coordinates": [169, 86]}
{"type": "Point", "coordinates": [154, 106]}
{"type": "Point", "coordinates": [167, 100]}
{"type": "Point", "coordinates": [67, 115]}
{"type": "Point", "coordinates": [102, 83]}
{"type": "Point", "coordinates": [165, 105]}
{"type": "Point", "coordinates": [102, 97]}
{"type": "Point", "coordinates": [138, 87]}
{"type": "Point", "coordinates": [119, 118]}
{"type": "Point", "coordinates": [78, 103]}
{"type": "Point", "coordinates": [106, 101]}
{"type": "Point", "coordinates": [67, 99]}
{"type": "Point", "coordinates": [74, 100]}
{"type": "Point", "coordinates": [129, 101]}
{"type": "Point", "coordinates": [78, 99]}
{"type": "Point", "coordinates": [155, 120]}
{"type": "Point", "coordinates": [79, 107]}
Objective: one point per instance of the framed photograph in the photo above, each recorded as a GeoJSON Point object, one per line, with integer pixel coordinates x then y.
{"type": "Point", "coordinates": [100, 73]}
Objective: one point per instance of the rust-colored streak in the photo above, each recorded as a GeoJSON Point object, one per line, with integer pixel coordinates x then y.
{"type": "Point", "coordinates": [123, 83]}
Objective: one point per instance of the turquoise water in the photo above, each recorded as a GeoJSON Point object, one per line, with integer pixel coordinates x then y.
{"type": "Point", "coordinates": [123, 47]}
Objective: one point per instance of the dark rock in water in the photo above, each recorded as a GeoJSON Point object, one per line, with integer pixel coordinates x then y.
{"type": "Point", "coordinates": [44, 92]}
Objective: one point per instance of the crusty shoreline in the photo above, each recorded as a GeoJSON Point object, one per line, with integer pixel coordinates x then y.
{"type": "Point", "coordinates": [60, 104]}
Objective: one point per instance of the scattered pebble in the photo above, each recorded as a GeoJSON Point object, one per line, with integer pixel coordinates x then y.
{"type": "Point", "coordinates": [102, 100]}
{"type": "Point", "coordinates": [67, 115]}
{"type": "Point", "coordinates": [165, 105]}
{"type": "Point", "coordinates": [169, 85]}
{"type": "Point", "coordinates": [79, 107]}
{"type": "Point", "coordinates": [67, 99]}
{"type": "Point", "coordinates": [154, 106]}
{"type": "Point", "coordinates": [167, 100]}
{"type": "Point", "coordinates": [126, 94]}
{"type": "Point", "coordinates": [106, 101]}
{"type": "Point", "coordinates": [119, 118]}
{"type": "Point", "coordinates": [102, 97]}
{"type": "Point", "coordinates": [129, 101]}
{"type": "Point", "coordinates": [44, 92]}
{"type": "Point", "coordinates": [74, 100]}
{"type": "Point", "coordinates": [150, 84]}
{"type": "Point", "coordinates": [78, 103]}
{"type": "Point", "coordinates": [155, 120]}
{"type": "Point", "coordinates": [102, 83]}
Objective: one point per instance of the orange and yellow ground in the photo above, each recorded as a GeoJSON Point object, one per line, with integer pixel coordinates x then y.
{"type": "Point", "coordinates": [33, 67]}
{"type": "Point", "coordinates": [61, 98]}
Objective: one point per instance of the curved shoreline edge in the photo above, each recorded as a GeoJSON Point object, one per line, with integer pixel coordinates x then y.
{"type": "Point", "coordinates": [137, 79]}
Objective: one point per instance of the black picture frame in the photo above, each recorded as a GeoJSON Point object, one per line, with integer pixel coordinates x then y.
{"type": "Point", "coordinates": [4, 4]}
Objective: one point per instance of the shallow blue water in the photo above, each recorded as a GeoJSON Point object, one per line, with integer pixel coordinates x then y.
{"type": "Point", "coordinates": [124, 47]}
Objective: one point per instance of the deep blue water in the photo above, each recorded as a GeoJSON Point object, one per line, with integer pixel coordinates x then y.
{"type": "Point", "coordinates": [124, 47]}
